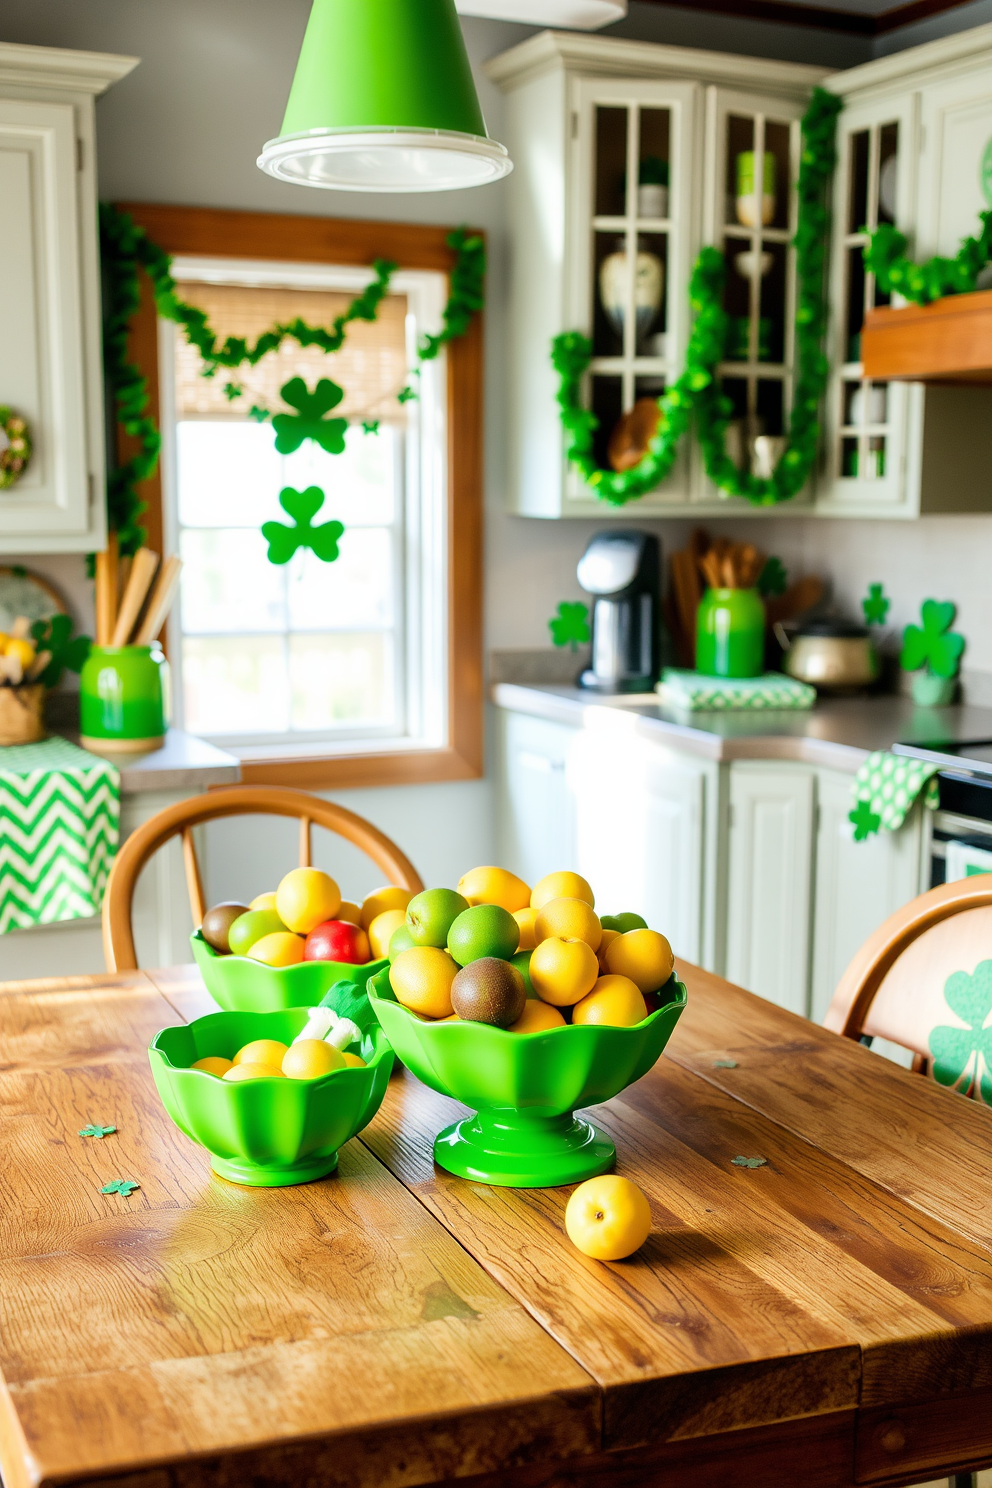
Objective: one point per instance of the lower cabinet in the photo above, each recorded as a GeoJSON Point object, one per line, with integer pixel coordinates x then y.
{"type": "Point", "coordinates": [535, 825]}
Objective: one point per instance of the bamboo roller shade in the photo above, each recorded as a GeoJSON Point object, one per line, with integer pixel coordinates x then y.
{"type": "Point", "coordinates": [371, 366]}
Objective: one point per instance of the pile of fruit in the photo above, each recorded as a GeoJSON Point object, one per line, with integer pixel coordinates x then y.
{"type": "Point", "coordinates": [321, 1048]}
{"type": "Point", "coordinates": [20, 659]}
{"type": "Point", "coordinates": [525, 960]}
{"type": "Point", "coordinates": [306, 919]}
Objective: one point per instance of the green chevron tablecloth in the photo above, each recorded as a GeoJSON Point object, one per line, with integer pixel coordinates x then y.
{"type": "Point", "coordinates": [59, 816]}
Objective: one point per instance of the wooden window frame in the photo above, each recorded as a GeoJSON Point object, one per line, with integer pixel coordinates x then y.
{"type": "Point", "coordinates": [203, 231]}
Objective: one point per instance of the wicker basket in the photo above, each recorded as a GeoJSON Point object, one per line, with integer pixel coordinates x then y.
{"type": "Point", "coordinates": [21, 714]}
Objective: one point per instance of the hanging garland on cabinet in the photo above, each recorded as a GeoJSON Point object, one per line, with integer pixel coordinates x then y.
{"type": "Point", "coordinates": [126, 249]}
{"type": "Point", "coordinates": [885, 257]}
{"type": "Point", "coordinates": [696, 396]}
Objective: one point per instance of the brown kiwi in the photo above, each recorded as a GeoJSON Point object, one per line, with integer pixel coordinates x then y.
{"type": "Point", "coordinates": [217, 924]}
{"type": "Point", "coordinates": [489, 991]}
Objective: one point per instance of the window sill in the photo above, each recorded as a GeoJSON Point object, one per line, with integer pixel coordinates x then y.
{"type": "Point", "coordinates": [353, 771]}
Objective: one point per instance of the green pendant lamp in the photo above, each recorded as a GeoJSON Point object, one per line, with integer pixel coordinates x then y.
{"type": "Point", "coordinates": [383, 100]}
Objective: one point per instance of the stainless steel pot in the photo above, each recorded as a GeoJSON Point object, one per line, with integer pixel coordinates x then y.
{"type": "Point", "coordinates": [832, 655]}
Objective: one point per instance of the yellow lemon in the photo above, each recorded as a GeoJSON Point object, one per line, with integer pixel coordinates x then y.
{"type": "Point", "coordinates": [23, 650]}
{"type": "Point", "coordinates": [306, 897]}
{"type": "Point", "coordinates": [214, 1065]}
{"type": "Point", "coordinates": [643, 955]}
{"type": "Point", "coordinates": [525, 919]}
{"type": "Point", "coordinates": [563, 971]}
{"type": "Point", "coordinates": [354, 1060]}
{"type": "Point", "coordinates": [568, 919]}
{"type": "Point", "coordinates": [350, 912]}
{"type": "Point", "coordinates": [494, 886]}
{"type": "Point", "coordinates": [380, 900]}
{"type": "Point", "coordinates": [422, 978]}
{"type": "Point", "coordinates": [264, 901]}
{"type": "Point", "coordinates": [261, 1051]}
{"type": "Point", "coordinates": [252, 1072]}
{"type": "Point", "coordinates": [278, 949]}
{"type": "Point", "coordinates": [537, 1017]}
{"type": "Point", "coordinates": [308, 1059]}
{"type": "Point", "coordinates": [609, 936]}
{"type": "Point", "coordinates": [614, 1001]}
{"type": "Point", "coordinates": [381, 930]}
{"type": "Point", "coordinates": [561, 886]}
{"type": "Point", "coordinates": [608, 1218]}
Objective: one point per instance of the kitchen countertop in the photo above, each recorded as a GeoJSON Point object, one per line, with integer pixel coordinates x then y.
{"type": "Point", "coordinates": [838, 733]}
{"type": "Point", "coordinates": [183, 763]}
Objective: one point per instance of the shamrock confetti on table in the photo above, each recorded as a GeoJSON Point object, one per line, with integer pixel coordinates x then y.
{"type": "Point", "coordinates": [749, 1162]}
{"type": "Point", "coordinates": [773, 578]}
{"type": "Point", "coordinates": [123, 1186]}
{"type": "Point", "coordinates": [864, 821]}
{"type": "Point", "coordinates": [962, 1057]}
{"type": "Point", "coordinates": [934, 644]}
{"type": "Point", "coordinates": [94, 1130]}
{"type": "Point", "coordinates": [570, 627]}
{"type": "Point", "coordinates": [310, 421]}
{"type": "Point", "coordinates": [725, 1064]}
{"type": "Point", "coordinates": [875, 605]}
{"type": "Point", "coordinates": [302, 506]}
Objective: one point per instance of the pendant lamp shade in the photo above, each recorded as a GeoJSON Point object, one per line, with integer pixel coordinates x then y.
{"type": "Point", "coordinates": [383, 100]}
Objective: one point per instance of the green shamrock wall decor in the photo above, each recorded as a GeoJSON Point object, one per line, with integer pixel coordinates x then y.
{"type": "Point", "coordinates": [310, 421]}
{"type": "Point", "coordinates": [875, 605]}
{"type": "Point", "coordinates": [302, 506]}
{"type": "Point", "coordinates": [773, 578]}
{"type": "Point", "coordinates": [962, 1057]}
{"type": "Point", "coordinates": [570, 627]}
{"type": "Point", "coordinates": [67, 651]}
{"type": "Point", "coordinates": [934, 645]}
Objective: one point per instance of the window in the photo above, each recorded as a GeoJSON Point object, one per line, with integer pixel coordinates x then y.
{"type": "Point", "coordinates": [361, 670]}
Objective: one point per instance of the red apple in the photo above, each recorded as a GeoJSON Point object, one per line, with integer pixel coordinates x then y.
{"type": "Point", "coordinates": [337, 940]}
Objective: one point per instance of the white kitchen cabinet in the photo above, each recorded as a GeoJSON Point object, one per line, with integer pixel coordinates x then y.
{"type": "Point", "coordinates": [535, 827]}
{"type": "Point", "coordinates": [50, 370]}
{"type": "Point", "coordinates": [769, 880]}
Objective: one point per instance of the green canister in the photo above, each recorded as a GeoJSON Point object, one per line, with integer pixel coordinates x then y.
{"type": "Point", "coordinates": [730, 633]}
{"type": "Point", "coordinates": [124, 699]}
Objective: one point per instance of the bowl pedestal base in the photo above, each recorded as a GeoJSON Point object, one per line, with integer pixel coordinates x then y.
{"type": "Point", "coordinates": [273, 1175]}
{"type": "Point", "coordinates": [515, 1150]}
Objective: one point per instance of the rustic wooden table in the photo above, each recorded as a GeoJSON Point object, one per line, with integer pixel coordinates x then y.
{"type": "Point", "coordinates": [823, 1319]}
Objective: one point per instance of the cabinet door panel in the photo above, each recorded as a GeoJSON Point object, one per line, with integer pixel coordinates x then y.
{"type": "Point", "coordinates": [639, 829]}
{"type": "Point", "coordinates": [771, 845]}
{"type": "Point", "coordinates": [41, 374]}
{"type": "Point", "coordinates": [956, 162]}
{"type": "Point", "coordinates": [536, 829]}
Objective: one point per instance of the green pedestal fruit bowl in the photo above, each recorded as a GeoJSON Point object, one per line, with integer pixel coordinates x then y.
{"type": "Point", "coordinates": [241, 985]}
{"type": "Point", "coordinates": [272, 1132]}
{"type": "Point", "coordinates": [525, 1087]}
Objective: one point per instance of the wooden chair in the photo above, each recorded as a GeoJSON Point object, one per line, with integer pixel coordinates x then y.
{"type": "Point", "coordinates": [239, 800]}
{"type": "Point", "coordinates": [924, 981]}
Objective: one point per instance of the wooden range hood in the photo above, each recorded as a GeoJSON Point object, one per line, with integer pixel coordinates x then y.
{"type": "Point", "coordinates": [947, 341]}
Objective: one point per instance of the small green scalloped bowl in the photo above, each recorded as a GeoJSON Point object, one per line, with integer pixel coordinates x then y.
{"type": "Point", "coordinates": [242, 985]}
{"type": "Point", "coordinates": [265, 1133]}
{"type": "Point", "coordinates": [525, 1087]}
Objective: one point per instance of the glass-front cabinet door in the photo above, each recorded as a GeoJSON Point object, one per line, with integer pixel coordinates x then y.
{"type": "Point", "coordinates": [753, 146]}
{"type": "Point", "coordinates": [865, 447]}
{"type": "Point", "coordinates": [630, 237]}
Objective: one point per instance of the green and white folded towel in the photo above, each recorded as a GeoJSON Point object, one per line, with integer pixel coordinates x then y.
{"type": "Point", "coordinates": [885, 790]}
{"type": "Point", "coordinates": [697, 693]}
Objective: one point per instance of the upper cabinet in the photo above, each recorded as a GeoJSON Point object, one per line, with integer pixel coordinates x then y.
{"type": "Point", "coordinates": [50, 370]}
{"type": "Point", "coordinates": [628, 157]}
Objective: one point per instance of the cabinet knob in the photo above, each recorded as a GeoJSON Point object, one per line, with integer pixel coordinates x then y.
{"type": "Point", "coordinates": [891, 1436]}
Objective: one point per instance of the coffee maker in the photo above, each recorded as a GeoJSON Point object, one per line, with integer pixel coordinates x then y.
{"type": "Point", "coordinates": [622, 571]}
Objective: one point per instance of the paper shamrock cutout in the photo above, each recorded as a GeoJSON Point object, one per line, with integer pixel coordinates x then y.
{"type": "Point", "coordinates": [962, 1057]}
{"type": "Point", "coordinates": [875, 605]}
{"type": "Point", "coordinates": [55, 635]}
{"type": "Point", "coordinates": [773, 578]}
{"type": "Point", "coordinates": [310, 423]}
{"type": "Point", "coordinates": [302, 506]}
{"type": "Point", "coordinates": [865, 821]}
{"type": "Point", "coordinates": [123, 1186]}
{"type": "Point", "coordinates": [570, 627]}
{"type": "Point", "coordinates": [749, 1162]}
{"type": "Point", "coordinates": [96, 1131]}
{"type": "Point", "coordinates": [935, 646]}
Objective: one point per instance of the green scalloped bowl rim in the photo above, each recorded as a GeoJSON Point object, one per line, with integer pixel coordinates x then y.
{"type": "Point", "coordinates": [266, 1126]}
{"type": "Point", "coordinates": [545, 1074]}
{"type": "Point", "coordinates": [241, 985]}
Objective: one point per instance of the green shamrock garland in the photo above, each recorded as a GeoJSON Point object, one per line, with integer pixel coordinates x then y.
{"type": "Point", "coordinates": [933, 645]}
{"type": "Point", "coordinates": [962, 1057]}
{"type": "Point", "coordinates": [570, 626]}
{"type": "Point", "coordinates": [885, 257]}
{"type": "Point", "coordinates": [309, 421]}
{"type": "Point", "coordinates": [696, 396]}
{"type": "Point", "coordinates": [302, 506]}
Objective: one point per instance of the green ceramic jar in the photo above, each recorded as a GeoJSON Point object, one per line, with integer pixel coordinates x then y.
{"type": "Point", "coordinates": [124, 699]}
{"type": "Point", "coordinates": [730, 633]}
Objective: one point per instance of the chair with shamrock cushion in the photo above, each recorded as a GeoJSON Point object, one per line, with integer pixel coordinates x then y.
{"type": "Point", "coordinates": [923, 980]}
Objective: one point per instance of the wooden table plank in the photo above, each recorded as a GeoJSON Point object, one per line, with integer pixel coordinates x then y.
{"type": "Point", "coordinates": [335, 1326]}
{"type": "Point", "coordinates": [928, 1145]}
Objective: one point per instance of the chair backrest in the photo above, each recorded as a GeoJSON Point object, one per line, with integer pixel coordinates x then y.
{"type": "Point", "coordinates": [238, 800]}
{"type": "Point", "coordinates": [924, 981]}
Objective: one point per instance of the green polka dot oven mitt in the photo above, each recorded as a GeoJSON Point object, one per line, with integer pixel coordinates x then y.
{"type": "Point", "coordinates": [885, 790]}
